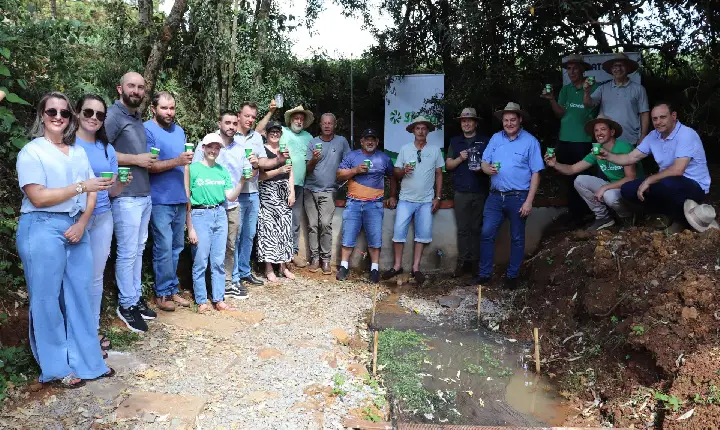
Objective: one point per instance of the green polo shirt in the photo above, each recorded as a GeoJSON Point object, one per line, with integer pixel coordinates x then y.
{"type": "Point", "coordinates": [572, 124]}
{"type": "Point", "coordinates": [612, 171]}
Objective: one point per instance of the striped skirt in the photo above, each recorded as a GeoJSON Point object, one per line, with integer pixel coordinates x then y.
{"type": "Point", "coordinates": [274, 230]}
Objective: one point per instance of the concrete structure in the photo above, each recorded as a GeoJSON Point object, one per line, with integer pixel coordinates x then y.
{"type": "Point", "coordinates": [444, 240]}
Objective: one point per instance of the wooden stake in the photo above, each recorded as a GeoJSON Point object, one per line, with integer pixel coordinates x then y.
{"type": "Point", "coordinates": [537, 350]}
{"type": "Point", "coordinates": [479, 301]}
{"type": "Point", "coordinates": [372, 318]}
{"type": "Point", "coordinates": [375, 344]}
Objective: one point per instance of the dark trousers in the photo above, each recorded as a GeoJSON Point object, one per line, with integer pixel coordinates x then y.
{"type": "Point", "coordinates": [469, 218]}
{"type": "Point", "coordinates": [571, 153]}
{"type": "Point", "coordinates": [665, 197]}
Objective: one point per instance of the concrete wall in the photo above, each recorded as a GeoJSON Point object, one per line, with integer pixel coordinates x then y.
{"type": "Point", "coordinates": [444, 239]}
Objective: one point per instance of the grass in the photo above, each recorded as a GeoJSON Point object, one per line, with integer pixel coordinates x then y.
{"type": "Point", "coordinates": [121, 339]}
{"type": "Point", "coordinates": [17, 367]}
{"type": "Point", "coordinates": [338, 382]}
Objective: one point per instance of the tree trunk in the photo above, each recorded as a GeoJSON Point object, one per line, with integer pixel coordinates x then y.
{"type": "Point", "coordinates": [233, 49]}
{"type": "Point", "coordinates": [145, 13]}
{"type": "Point", "coordinates": [53, 8]}
{"type": "Point", "coordinates": [159, 50]}
{"type": "Point", "coordinates": [262, 18]}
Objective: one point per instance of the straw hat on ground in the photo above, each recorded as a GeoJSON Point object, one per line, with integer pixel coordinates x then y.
{"type": "Point", "coordinates": [511, 107]}
{"type": "Point", "coordinates": [309, 117]}
{"type": "Point", "coordinates": [576, 59]}
{"type": "Point", "coordinates": [630, 65]}
{"type": "Point", "coordinates": [468, 113]}
{"type": "Point", "coordinates": [590, 125]}
{"type": "Point", "coordinates": [420, 120]}
{"type": "Point", "coordinates": [700, 217]}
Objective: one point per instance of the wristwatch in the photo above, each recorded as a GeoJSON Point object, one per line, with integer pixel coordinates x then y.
{"type": "Point", "coordinates": [437, 198]}
{"type": "Point", "coordinates": [79, 188]}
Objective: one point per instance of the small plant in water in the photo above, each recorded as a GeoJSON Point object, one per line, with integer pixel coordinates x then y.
{"type": "Point", "coordinates": [474, 369]}
{"type": "Point", "coordinates": [506, 372]}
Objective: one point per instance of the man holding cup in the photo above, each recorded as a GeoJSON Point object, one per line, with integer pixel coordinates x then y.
{"type": "Point", "coordinates": [471, 186]}
{"type": "Point", "coordinates": [167, 190]}
{"type": "Point", "coordinates": [514, 161]}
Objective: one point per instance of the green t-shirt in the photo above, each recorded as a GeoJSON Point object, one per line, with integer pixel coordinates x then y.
{"type": "Point", "coordinates": [612, 171]}
{"type": "Point", "coordinates": [572, 124]}
{"type": "Point", "coordinates": [297, 144]}
{"type": "Point", "coordinates": [208, 184]}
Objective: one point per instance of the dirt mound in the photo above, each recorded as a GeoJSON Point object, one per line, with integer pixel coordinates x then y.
{"type": "Point", "coordinates": [697, 386]}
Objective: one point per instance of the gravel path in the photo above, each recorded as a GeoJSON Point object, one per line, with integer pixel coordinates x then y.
{"type": "Point", "coordinates": [280, 363]}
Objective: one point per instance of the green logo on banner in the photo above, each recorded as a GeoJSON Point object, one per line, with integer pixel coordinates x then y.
{"type": "Point", "coordinates": [395, 116]}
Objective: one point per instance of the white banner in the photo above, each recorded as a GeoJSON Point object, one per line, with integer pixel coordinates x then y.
{"type": "Point", "coordinates": [597, 71]}
{"type": "Point", "coordinates": [403, 100]}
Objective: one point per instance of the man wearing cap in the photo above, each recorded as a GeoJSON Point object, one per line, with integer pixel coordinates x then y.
{"type": "Point", "coordinates": [601, 194]}
{"type": "Point", "coordinates": [513, 161]}
{"type": "Point", "coordinates": [471, 186]}
{"type": "Point", "coordinates": [320, 186]}
{"type": "Point", "coordinates": [683, 174]}
{"type": "Point", "coordinates": [621, 99]}
{"type": "Point", "coordinates": [365, 170]}
{"type": "Point", "coordinates": [573, 143]}
{"type": "Point", "coordinates": [419, 167]}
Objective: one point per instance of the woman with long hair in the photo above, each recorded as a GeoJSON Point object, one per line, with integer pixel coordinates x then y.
{"type": "Point", "coordinates": [277, 195]}
{"type": "Point", "coordinates": [59, 193]}
{"type": "Point", "coordinates": [91, 110]}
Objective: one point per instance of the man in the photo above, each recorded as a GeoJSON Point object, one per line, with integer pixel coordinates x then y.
{"type": "Point", "coordinates": [471, 188]}
{"type": "Point", "coordinates": [601, 194]}
{"type": "Point", "coordinates": [132, 207]}
{"type": "Point", "coordinates": [513, 161]}
{"type": "Point", "coordinates": [573, 143]}
{"type": "Point", "coordinates": [320, 187]}
{"type": "Point", "coordinates": [419, 166]}
{"type": "Point", "coordinates": [364, 208]}
{"type": "Point", "coordinates": [621, 99]}
{"type": "Point", "coordinates": [167, 191]}
{"type": "Point", "coordinates": [683, 174]}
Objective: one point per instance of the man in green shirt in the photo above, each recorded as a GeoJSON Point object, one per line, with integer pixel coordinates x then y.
{"type": "Point", "coordinates": [573, 143]}
{"type": "Point", "coordinates": [601, 194]}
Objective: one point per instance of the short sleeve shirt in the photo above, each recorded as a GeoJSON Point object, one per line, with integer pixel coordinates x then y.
{"type": "Point", "coordinates": [683, 142]}
{"type": "Point", "coordinates": [168, 187]}
{"type": "Point", "coordinates": [41, 163]}
{"type": "Point", "coordinates": [208, 184]}
{"type": "Point", "coordinates": [127, 134]}
{"type": "Point", "coordinates": [232, 158]}
{"type": "Point", "coordinates": [297, 144]}
{"type": "Point", "coordinates": [624, 104]}
{"type": "Point", "coordinates": [102, 159]}
{"type": "Point", "coordinates": [572, 124]}
{"type": "Point", "coordinates": [368, 186]}
{"type": "Point", "coordinates": [322, 178]}
{"type": "Point", "coordinates": [419, 186]}
{"type": "Point", "coordinates": [464, 179]}
{"type": "Point", "coordinates": [519, 159]}
{"type": "Point", "coordinates": [253, 141]}
{"type": "Point", "coordinates": [612, 171]}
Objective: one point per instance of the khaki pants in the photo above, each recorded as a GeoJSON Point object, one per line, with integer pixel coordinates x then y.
{"type": "Point", "coordinates": [320, 208]}
{"type": "Point", "coordinates": [233, 216]}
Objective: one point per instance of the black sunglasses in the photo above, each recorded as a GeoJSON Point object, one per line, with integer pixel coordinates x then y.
{"type": "Point", "coordinates": [52, 113]}
{"type": "Point", "coordinates": [418, 156]}
{"type": "Point", "coordinates": [89, 113]}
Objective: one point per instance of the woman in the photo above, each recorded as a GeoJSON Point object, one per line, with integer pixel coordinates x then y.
{"type": "Point", "coordinates": [91, 137]}
{"type": "Point", "coordinates": [59, 194]}
{"type": "Point", "coordinates": [277, 195]}
{"type": "Point", "coordinates": [208, 185]}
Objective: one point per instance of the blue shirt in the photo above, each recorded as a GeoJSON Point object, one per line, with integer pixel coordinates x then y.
{"type": "Point", "coordinates": [40, 162]}
{"type": "Point", "coordinates": [127, 135]}
{"type": "Point", "coordinates": [368, 186]}
{"type": "Point", "coordinates": [168, 187]}
{"type": "Point", "coordinates": [464, 179]}
{"type": "Point", "coordinates": [100, 163]}
{"type": "Point", "coordinates": [683, 142]}
{"type": "Point", "coordinates": [232, 158]}
{"type": "Point", "coordinates": [519, 159]}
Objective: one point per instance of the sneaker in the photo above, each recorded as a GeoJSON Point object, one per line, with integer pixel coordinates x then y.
{"type": "Point", "coordinates": [145, 311]}
{"type": "Point", "coordinates": [242, 292]}
{"type": "Point", "coordinates": [374, 276]}
{"type": "Point", "coordinates": [342, 273]}
{"type": "Point", "coordinates": [132, 319]}
{"type": "Point", "coordinates": [601, 223]}
{"type": "Point", "coordinates": [232, 290]}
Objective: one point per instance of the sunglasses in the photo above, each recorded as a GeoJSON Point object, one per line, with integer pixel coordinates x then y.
{"type": "Point", "coordinates": [418, 156]}
{"type": "Point", "coordinates": [52, 113]}
{"type": "Point", "coordinates": [89, 113]}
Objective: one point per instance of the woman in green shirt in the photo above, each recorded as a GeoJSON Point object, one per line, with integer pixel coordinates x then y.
{"type": "Point", "coordinates": [208, 185]}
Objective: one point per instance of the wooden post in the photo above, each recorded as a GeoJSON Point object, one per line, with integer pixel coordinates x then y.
{"type": "Point", "coordinates": [372, 318]}
{"type": "Point", "coordinates": [375, 346]}
{"type": "Point", "coordinates": [479, 301]}
{"type": "Point", "coordinates": [537, 350]}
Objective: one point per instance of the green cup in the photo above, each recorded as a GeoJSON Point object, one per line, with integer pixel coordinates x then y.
{"type": "Point", "coordinates": [550, 152]}
{"type": "Point", "coordinates": [318, 146]}
{"type": "Point", "coordinates": [123, 173]}
{"type": "Point", "coordinates": [367, 163]}
{"type": "Point", "coordinates": [155, 151]}
{"type": "Point", "coordinates": [412, 163]}
{"type": "Point", "coordinates": [247, 172]}
{"type": "Point", "coordinates": [189, 147]}
{"type": "Point", "coordinates": [596, 148]}
{"type": "Point", "coordinates": [497, 165]}
{"type": "Point", "coordinates": [548, 88]}
{"type": "Point", "coordinates": [106, 175]}
{"type": "Point", "coordinates": [283, 147]}
{"type": "Point", "coordinates": [288, 162]}
{"type": "Point", "coordinates": [248, 152]}
{"type": "Point", "coordinates": [591, 80]}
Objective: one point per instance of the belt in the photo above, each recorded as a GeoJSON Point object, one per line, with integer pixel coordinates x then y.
{"type": "Point", "coordinates": [509, 193]}
{"type": "Point", "coordinates": [205, 206]}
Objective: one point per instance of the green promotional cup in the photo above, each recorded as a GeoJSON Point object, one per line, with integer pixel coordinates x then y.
{"type": "Point", "coordinates": [548, 88]}
{"type": "Point", "coordinates": [318, 146]}
{"type": "Point", "coordinates": [247, 172]}
{"type": "Point", "coordinates": [412, 163]}
{"type": "Point", "coordinates": [550, 152]}
{"type": "Point", "coordinates": [591, 80]}
{"type": "Point", "coordinates": [189, 147]}
{"type": "Point", "coordinates": [497, 165]}
{"type": "Point", "coordinates": [283, 147]}
{"type": "Point", "coordinates": [288, 162]}
{"type": "Point", "coordinates": [155, 151]}
{"type": "Point", "coordinates": [367, 163]}
{"type": "Point", "coordinates": [596, 148]}
{"type": "Point", "coordinates": [123, 173]}
{"type": "Point", "coordinates": [106, 175]}
{"type": "Point", "coordinates": [248, 152]}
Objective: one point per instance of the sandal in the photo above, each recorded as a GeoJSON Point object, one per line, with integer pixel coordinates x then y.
{"type": "Point", "coordinates": [66, 382]}
{"type": "Point", "coordinates": [203, 308]}
{"type": "Point", "coordinates": [104, 354]}
{"type": "Point", "coordinates": [105, 343]}
{"type": "Point", "coordinates": [109, 374]}
{"type": "Point", "coordinates": [222, 306]}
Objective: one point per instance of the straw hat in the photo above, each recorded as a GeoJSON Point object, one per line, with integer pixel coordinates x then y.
{"type": "Point", "coordinates": [700, 217]}
{"type": "Point", "coordinates": [420, 120]}
{"type": "Point", "coordinates": [468, 113]}
{"type": "Point", "coordinates": [511, 107]}
{"type": "Point", "coordinates": [630, 65]}
{"type": "Point", "coordinates": [576, 59]}
{"type": "Point", "coordinates": [309, 117]}
{"type": "Point", "coordinates": [590, 125]}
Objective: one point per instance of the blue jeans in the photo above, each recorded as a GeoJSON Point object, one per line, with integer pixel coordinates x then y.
{"type": "Point", "coordinates": [497, 208]}
{"type": "Point", "coordinates": [422, 213]}
{"type": "Point", "coordinates": [249, 207]}
{"type": "Point", "coordinates": [63, 328]}
{"type": "Point", "coordinates": [168, 230]}
{"type": "Point", "coordinates": [131, 216]}
{"type": "Point", "coordinates": [100, 231]}
{"type": "Point", "coordinates": [366, 215]}
{"type": "Point", "coordinates": [211, 227]}
{"type": "Point", "coordinates": [667, 196]}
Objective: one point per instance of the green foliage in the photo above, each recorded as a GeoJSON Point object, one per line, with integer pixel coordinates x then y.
{"type": "Point", "coordinates": [17, 367]}
{"type": "Point", "coordinates": [671, 402]}
{"type": "Point", "coordinates": [638, 330]}
{"type": "Point", "coordinates": [121, 339]}
{"type": "Point", "coordinates": [370, 415]}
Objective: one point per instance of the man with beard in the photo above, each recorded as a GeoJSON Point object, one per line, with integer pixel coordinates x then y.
{"type": "Point", "coordinates": [601, 194]}
{"type": "Point", "coordinates": [365, 170]}
{"type": "Point", "coordinates": [167, 191]}
{"type": "Point", "coordinates": [132, 208]}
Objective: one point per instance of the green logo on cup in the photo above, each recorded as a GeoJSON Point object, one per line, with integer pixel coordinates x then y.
{"type": "Point", "coordinates": [189, 147]}
{"type": "Point", "coordinates": [367, 163]}
{"type": "Point", "coordinates": [248, 152]}
{"type": "Point", "coordinates": [550, 152]}
{"type": "Point", "coordinates": [412, 163]}
{"type": "Point", "coordinates": [155, 151]}
{"type": "Point", "coordinates": [596, 148]}
{"type": "Point", "coordinates": [497, 165]}
{"type": "Point", "coordinates": [247, 172]}
{"type": "Point", "coordinates": [318, 146]}
{"type": "Point", "coordinates": [123, 173]}
{"type": "Point", "coordinates": [288, 162]}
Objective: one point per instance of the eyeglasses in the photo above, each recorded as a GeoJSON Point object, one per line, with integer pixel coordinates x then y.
{"type": "Point", "coordinates": [419, 157]}
{"type": "Point", "coordinates": [89, 113]}
{"type": "Point", "coordinates": [52, 113]}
